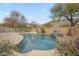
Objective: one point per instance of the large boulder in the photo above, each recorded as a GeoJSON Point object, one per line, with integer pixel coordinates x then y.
{"type": "Point", "coordinates": [57, 33]}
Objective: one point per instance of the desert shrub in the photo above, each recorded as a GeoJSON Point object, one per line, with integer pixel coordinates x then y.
{"type": "Point", "coordinates": [69, 47]}
{"type": "Point", "coordinates": [64, 25]}
{"type": "Point", "coordinates": [6, 48]}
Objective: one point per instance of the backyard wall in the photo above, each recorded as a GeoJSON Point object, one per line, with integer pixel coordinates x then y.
{"type": "Point", "coordinates": [49, 30]}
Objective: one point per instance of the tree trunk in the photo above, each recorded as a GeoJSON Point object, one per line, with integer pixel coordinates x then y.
{"type": "Point", "coordinates": [71, 30]}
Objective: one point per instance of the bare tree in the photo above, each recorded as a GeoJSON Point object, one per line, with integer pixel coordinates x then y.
{"type": "Point", "coordinates": [15, 19]}
{"type": "Point", "coordinates": [35, 24]}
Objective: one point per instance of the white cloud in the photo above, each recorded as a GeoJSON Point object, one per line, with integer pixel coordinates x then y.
{"type": "Point", "coordinates": [30, 18]}
{"type": "Point", "coordinates": [44, 10]}
{"type": "Point", "coordinates": [4, 13]}
{"type": "Point", "coordinates": [7, 13]}
{"type": "Point", "coordinates": [7, 4]}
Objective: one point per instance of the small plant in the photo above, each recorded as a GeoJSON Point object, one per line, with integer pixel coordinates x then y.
{"type": "Point", "coordinates": [6, 48]}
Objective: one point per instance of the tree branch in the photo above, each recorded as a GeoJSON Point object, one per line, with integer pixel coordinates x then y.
{"type": "Point", "coordinates": [68, 18]}
{"type": "Point", "coordinates": [75, 22]}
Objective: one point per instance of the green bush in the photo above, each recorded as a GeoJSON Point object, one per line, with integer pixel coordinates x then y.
{"type": "Point", "coordinates": [69, 47]}
{"type": "Point", "coordinates": [6, 48]}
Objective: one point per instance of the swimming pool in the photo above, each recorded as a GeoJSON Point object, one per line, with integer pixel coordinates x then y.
{"type": "Point", "coordinates": [36, 42]}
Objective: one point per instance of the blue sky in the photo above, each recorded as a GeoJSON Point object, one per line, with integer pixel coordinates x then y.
{"type": "Point", "coordinates": [32, 11]}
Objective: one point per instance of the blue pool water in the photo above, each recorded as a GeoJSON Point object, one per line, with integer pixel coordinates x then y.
{"type": "Point", "coordinates": [36, 42]}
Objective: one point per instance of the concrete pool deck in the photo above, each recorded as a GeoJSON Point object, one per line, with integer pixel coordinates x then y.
{"type": "Point", "coordinates": [15, 38]}
{"type": "Point", "coordinates": [52, 52]}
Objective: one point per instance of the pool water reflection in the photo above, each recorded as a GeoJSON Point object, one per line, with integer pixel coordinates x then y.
{"type": "Point", "coordinates": [36, 42]}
